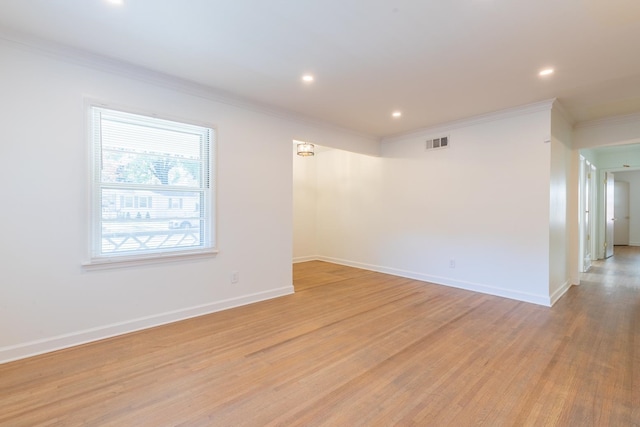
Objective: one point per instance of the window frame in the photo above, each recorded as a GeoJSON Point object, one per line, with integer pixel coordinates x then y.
{"type": "Point", "coordinates": [96, 259]}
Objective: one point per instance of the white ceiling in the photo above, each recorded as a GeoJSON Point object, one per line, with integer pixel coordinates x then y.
{"type": "Point", "coordinates": [435, 60]}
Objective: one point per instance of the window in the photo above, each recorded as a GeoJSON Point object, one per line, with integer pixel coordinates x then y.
{"type": "Point", "coordinates": [175, 204]}
{"type": "Point", "coordinates": [152, 191]}
{"type": "Point", "coordinates": [143, 201]}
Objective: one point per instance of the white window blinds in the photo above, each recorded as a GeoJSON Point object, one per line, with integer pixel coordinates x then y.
{"type": "Point", "coordinates": [152, 189]}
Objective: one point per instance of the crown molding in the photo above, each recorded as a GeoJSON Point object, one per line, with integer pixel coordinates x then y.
{"type": "Point", "coordinates": [609, 121]}
{"type": "Point", "coordinates": [535, 107]}
{"type": "Point", "coordinates": [126, 69]}
{"type": "Point", "coordinates": [556, 105]}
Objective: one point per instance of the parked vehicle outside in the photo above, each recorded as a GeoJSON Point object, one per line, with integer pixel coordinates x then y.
{"type": "Point", "coordinates": [184, 223]}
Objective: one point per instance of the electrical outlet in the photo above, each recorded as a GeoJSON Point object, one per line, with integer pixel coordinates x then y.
{"type": "Point", "coordinates": [235, 277]}
{"type": "Point", "coordinates": [452, 263]}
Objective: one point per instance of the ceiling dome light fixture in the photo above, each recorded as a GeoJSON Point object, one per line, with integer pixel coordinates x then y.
{"type": "Point", "coordinates": [307, 78]}
{"type": "Point", "coordinates": [305, 149]}
{"type": "Point", "coordinates": [546, 72]}
{"type": "Point", "coordinates": [116, 2]}
{"type": "Point", "coordinates": [396, 114]}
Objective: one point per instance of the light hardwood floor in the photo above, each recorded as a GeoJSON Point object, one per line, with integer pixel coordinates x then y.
{"type": "Point", "coordinates": [357, 348]}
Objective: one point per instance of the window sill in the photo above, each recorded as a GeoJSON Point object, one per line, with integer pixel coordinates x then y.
{"type": "Point", "coordinates": [132, 261]}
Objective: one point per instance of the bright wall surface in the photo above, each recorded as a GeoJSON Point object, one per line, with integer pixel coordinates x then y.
{"type": "Point", "coordinates": [633, 178]}
{"type": "Point", "coordinates": [305, 194]}
{"type": "Point", "coordinates": [615, 158]}
{"type": "Point", "coordinates": [47, 299]}
{"type": "Point", "coordinates": [474, 215]}
{"type": "Point", "coordinates": [563, 227]}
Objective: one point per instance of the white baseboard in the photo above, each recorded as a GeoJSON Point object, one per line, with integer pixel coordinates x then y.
{"type": "Point", "coordinates": [575, 280]}
{"type": "Point", "coordinates": [634, 243]}
{"type": "Point", "coordinates": [445, 281]}
{"type": "Point", "coordinates": [560, 291]}
{"type": "Point", "coordinates": [305, 259]}
{"type": "Point", "coordinates": [33, 348]}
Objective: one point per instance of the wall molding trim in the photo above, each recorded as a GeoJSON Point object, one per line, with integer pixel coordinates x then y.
{"type": "Point", "coordinates": [445, 281]}
{"type": "Point", "coordinates": [126, 69]}
{"type": "Point", "coordinates": [563, 112]}
{"type": "Point", "coordinates": [535, 107]}
{"type": "Point", "coordinates": [60, 342]}
{"type": "Point", "coordinates": [306, 258]}
{"type": "Point", "coordinates": [561, 291]}
{"type": "Point", "coordinates": [609, 121]}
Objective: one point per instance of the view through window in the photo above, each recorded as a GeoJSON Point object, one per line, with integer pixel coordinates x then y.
{"type": "Point", "coordinates": [152, 190]}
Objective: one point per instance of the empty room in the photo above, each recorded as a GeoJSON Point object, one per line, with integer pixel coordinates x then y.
{"type": "Point", "coordinates": [361, 213]}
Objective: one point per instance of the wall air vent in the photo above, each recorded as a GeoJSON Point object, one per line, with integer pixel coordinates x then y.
{"type": "Point", "coordinates": [436, 143]}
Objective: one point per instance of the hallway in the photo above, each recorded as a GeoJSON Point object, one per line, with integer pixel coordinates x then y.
{"type": "Point", "coordinates": [622, 270]}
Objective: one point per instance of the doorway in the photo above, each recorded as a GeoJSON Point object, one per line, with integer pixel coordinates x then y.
{"type": "Point", "coordinates": [587, 210]}
{"type": "Point", "coordinates": [613, 163]}
{"type": "Point", "coordinates": [621, 213]}
{"type": "Point", "coordinates": [609, 214]}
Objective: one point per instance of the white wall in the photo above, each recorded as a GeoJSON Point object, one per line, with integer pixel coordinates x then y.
{"type": "Point", "coordinates": [633, 178]}
{"type": "Point", "coordinates": [305, 194]}
{"type": "Point", "coordinates": [615, 158]}
{"type": "Point", "coordinates": [611, 131]}
{"type": "Point", "coordinates": [47, 300]}
{"type": "Point", "coordinates": [484, 202]}
{"type": "Point", "coordinates": [349, 190]}
{"type": "Point", "coordinates": [563, 227]}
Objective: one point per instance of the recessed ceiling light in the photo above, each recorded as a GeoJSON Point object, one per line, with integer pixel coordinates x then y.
{"type": "Point", "coordinates": [546, 72]}
{"type": "Point", "coordinates": [116, 2]}
{"type": "Point", "coordinates": [396, 114]}
{"type": "Point", "coordinates": [307, 78]}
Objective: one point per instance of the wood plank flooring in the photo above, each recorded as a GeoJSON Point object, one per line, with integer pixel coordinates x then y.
{"type": "Point", "coordinates": [357, 348]}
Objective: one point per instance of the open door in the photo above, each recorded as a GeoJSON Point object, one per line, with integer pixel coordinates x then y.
{"type": "Point", "coordinates": [621, 213]}
{"type": "Point", "coordinates": [609, 185]}
{"type": "Point", "coordinates": [587, 176]}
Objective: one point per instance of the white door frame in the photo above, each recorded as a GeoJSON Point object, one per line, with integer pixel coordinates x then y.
{"type": "Point", "coordinates": [601, 220]}
{"type": "Point", "coordinates": [587, 214]}
{"type": "Point", "coordinates": [609, 218]}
